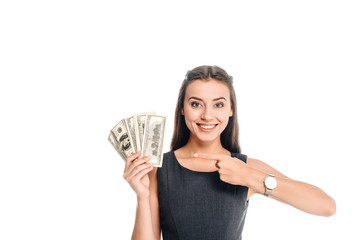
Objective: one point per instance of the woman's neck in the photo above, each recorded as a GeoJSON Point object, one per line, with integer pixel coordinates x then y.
{"type": "Point", "coordinates": [196, 146]}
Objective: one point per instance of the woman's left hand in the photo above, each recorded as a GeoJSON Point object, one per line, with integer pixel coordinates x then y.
{"type": "Point", "coordinates": [231, 169]}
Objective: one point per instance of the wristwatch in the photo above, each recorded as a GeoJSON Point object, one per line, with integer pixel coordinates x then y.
{"type": "Point", "coordinates": [270, 184]}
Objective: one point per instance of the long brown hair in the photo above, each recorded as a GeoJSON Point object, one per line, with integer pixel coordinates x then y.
{"type": "Point", "coordinates": [230, 136]}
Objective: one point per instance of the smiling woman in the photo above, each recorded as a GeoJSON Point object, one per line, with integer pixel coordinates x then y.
{"type": "Point", "coordinates": [203, 187]}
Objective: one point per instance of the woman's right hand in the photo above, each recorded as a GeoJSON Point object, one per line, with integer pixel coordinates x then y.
{"type": "Point", "coordinates": [136, 174]}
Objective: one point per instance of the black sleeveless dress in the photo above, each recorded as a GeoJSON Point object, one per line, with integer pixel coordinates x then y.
{"type": "Point", "coordinates": [198, 205]}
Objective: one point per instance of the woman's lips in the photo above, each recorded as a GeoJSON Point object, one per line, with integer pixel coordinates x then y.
{"type": "Point", "coordinates": [206, 127]}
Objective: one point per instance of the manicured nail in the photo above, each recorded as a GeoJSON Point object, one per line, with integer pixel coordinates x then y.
{"type": "Point", "coordinates": [196, 155]}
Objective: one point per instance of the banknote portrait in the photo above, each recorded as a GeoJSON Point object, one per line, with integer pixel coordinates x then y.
{"type": "Point", "coordinates": [125, 142]}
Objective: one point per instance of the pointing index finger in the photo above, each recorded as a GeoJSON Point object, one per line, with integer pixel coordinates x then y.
{"type": "Point", "coordinates": [216, 157]}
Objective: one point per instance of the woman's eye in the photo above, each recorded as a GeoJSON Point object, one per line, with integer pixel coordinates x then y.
{"type": "Point", "coordinates": [219, 105]}
{"type": "Point", "coordinates": [195, 104]}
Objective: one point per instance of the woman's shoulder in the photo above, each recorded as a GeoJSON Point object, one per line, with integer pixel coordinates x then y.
{"type": "Point", "coordinates": [168, 154]}
{"type": "Point", "coordinates": [167, 157]}
{"type": "Point", "coordinates": [240, 156]}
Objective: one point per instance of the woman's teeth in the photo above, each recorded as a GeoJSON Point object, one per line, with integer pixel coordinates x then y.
{"type": "Point", "coordinates": [207, 126]}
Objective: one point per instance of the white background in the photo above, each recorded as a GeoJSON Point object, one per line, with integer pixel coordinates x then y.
{"type": "Point", "coordinates": [70, 70]}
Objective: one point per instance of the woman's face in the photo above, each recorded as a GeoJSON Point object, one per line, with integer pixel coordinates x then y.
{"type": "Point", "coordinates": [207, 108]}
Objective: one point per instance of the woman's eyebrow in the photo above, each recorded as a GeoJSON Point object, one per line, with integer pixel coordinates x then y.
{"type": "Point", "coordinates": [216, 99]}
{"type": "Point", "coordinates": [199, 99]}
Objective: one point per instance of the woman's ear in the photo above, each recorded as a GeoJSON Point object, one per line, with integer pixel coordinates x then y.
{"type": "Point", "coordinates": [231, 113]}
{"type": "Point", "coordinates": [182, 112]}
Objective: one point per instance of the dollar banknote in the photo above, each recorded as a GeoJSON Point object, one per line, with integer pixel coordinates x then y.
{"type": "Point", "coordinates": [142, 132]}
{"type": "Point", "coordinates": [139, 122]}
{"type": "Point", "coordinates": [131, 131]}
{"type": "Point", "coordinates": [153, 139]}
{"type": "Point", "coordinates": [120, 139]}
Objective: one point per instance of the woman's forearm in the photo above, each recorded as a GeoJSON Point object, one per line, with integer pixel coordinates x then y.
{"type": "Point", "coordinates": [303, 196]}
{"type": "Point", "coordinates": [143, 228]}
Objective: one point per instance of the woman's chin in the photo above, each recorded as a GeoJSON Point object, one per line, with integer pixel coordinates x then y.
{"type": "Point", "coordinates": [208, 138]}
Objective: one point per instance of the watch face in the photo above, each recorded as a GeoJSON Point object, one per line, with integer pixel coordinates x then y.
{"type": "Point", "coordinates": [270, 182]}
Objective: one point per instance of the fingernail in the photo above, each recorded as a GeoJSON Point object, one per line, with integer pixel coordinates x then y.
{"type": "Point", "coordinates": [196, 155]}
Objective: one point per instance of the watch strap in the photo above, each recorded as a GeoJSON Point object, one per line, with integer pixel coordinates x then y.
{"type": "Point", "coordinates": [267, 192]}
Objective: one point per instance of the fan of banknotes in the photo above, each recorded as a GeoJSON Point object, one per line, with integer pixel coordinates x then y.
{"type": "Point", "coordinates": [142, 132]}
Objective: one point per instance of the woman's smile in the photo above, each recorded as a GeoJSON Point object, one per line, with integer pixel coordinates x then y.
{"type": "Point", "coordinates": [206, 127]}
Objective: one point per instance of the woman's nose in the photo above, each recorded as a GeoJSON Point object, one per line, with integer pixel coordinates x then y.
{"type": "Point", "coordinates": [206, 114]}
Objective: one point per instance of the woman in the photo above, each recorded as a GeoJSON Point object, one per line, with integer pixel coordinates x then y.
{"type": "Point", "coordinates": [203, 188]}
